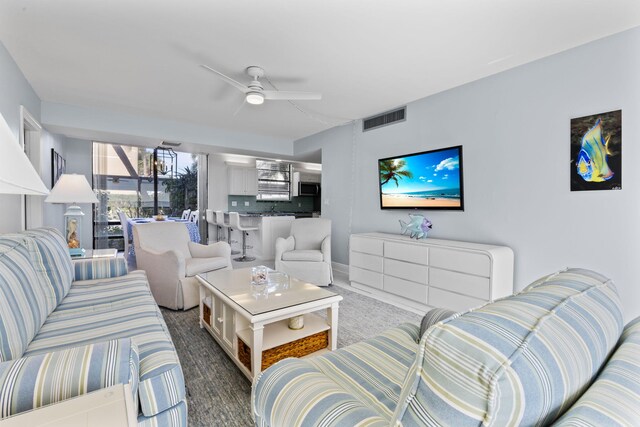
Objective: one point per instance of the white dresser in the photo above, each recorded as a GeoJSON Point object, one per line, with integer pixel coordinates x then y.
{"type": "Point", "coordinates": [428, 273]}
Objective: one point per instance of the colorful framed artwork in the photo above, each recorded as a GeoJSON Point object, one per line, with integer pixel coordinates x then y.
{"type": "Point", "coordinates": [596, 152]}
{"type": "Point", "coordinates": [58, 166]}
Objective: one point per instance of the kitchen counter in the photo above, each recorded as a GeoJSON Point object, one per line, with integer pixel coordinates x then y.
{"type": "Point", "coordinates": [270, 226]}
{"type": "Point", "coordinates": [266, 214]}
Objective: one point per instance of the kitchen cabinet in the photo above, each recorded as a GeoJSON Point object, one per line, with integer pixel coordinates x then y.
{"type": "Point", "coordinates": [243, 181]}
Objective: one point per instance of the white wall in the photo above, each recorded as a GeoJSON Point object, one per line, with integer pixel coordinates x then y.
{"type": "Point", "coordinates": [338, 183]}
{"type": "Point", "coordinates": [15, 90]}
{"type": "Point", "coordinates": [53, 213]}
{"type": "Point", "coordinates": [514, 127]}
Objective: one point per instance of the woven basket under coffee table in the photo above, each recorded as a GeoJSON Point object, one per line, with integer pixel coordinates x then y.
{"type": "Point", "coordinates": [298, 348]}
{"type": "Point", "coordinates": [251, 322]}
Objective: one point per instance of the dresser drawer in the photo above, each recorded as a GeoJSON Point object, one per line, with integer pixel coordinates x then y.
{"type": "Point", "coordinates": [406, 289]}
{"type": "Point", "coordinates": [416, 253]}
{"type": "Point", "coordinates": [366, 261]}
{"type": "Point", "coordinates": [365, 245]}
{"type": "Point", "coordinates": [406, 270]}
{"type": "Point", "coordinates": [366, 277]}
{"type": "Point", "coordinates": [456, 302]}
{"type": "Point", "coordinates": [465, 262]}
{"type": "Point", "coordinates": [474, 286]}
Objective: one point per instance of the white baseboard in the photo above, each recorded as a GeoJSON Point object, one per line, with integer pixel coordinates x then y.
{"type": "Point", "coordinates": [342, 268]}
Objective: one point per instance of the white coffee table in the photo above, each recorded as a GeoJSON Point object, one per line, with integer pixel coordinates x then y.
{"type": "Point", "coordinates": [244, 318]}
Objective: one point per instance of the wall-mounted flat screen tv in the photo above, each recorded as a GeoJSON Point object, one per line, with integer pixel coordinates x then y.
{"type": "Point", "coordinates": [427, 180]}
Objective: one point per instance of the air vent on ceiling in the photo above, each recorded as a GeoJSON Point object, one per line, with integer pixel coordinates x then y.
{"type": "Point", "coordinates": [384, 119]}
{"type": "Point", "coordinates": [171, 144]}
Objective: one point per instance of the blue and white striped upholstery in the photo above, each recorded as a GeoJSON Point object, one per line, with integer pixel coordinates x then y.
{"type": "Point", "coordinates": [55, 261]}
{"type": "Point", "coordinates": [614, 399]}
{"type": "Point", "coordinates": [33, 381]}
{"type": "Point", "coordinates": [60, 338]}
{"type": "Point", "coordinates": [121, 307]}
{"type": "Point", "coordinates": [522, 360]}
{"type": "Point", "coordinates": [174, 416]}
{"type": "Point", "coordinates": [99, 268]}
{"type": "Point", "coordinates": [356, 385]}
{"type": "Point", "coordinates": [26, 294]}
{"type": "Point", "coordinates": [432, 317]}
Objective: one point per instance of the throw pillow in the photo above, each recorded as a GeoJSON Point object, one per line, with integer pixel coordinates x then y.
{"type": "Point", "coordinates": [203, 251]}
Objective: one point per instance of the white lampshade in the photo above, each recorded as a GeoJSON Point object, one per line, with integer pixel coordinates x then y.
{"type": "Point", "coordinates": [17, 174]}
{"type": "Point", "coordinates": [72, 188]}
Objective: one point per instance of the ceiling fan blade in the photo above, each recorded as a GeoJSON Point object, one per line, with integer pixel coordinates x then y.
{"type": "Point", "coordinates": [244, 101]}
{"type": "Point", "coordinates": [227, 79]}
{"type": "Point", "coordinates": [293, 96]}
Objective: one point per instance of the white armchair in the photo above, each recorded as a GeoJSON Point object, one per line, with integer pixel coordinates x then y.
{"type": "Point", "coordinates": [306, 253]}
{"type": "Point", "coordinates": [171, 261]}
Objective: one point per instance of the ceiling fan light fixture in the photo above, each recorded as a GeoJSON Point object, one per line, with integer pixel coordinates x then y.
{"type": "Point", "coordinates": [255, 98]}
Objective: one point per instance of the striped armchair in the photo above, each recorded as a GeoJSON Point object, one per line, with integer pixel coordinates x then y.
{"type": "Point", "coordinates": [66, 330]}
{"type": "Point", "coordinates": [528, 359]}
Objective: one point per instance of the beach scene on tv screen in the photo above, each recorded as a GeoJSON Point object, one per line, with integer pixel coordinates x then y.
{"type": "Point", "coordinates": [423, 180]}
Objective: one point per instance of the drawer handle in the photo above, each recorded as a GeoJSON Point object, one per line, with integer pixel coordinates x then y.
{"type": "Point", "coordinates": [219, 319]}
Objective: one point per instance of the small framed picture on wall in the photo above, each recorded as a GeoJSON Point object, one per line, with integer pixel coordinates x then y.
{"type": "Point", "coordinates": [58, 166]}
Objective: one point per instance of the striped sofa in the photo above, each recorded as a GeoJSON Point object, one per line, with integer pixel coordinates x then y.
{"type": "Point", "coordinates": [71, 328]}
{"type": "Point", "coordinates": [556, 352]}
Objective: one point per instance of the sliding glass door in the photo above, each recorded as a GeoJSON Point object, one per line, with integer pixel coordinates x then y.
{"type": "Point", "coordinates": [141, 182]}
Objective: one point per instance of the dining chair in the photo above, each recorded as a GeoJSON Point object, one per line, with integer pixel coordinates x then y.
{"type": "Point", "coordinates": [185, 214]}
{"type": "Point", "coordinates": [194, 216]}
{"type": "Point", "coordinates": [124, 222]}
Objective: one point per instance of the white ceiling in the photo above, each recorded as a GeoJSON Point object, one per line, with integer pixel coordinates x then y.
{"type": "Point", "coordinates": [365, 56]}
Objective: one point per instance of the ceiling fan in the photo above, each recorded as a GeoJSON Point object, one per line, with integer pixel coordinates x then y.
{"type": "Point", "coordinates": [255, 93]}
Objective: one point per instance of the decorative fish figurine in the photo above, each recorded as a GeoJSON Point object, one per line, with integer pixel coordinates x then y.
{"type": "Point", "coordinates": [592, 159]}
{"type": "Point", "coordinates": [417, 227]}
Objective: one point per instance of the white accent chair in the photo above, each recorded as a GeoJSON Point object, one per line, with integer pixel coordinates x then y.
{"type": "Point", "coordinates": [185, 214]}
{"type": "Point", "coordinates": [306, 253]}
{"type": "Point", "coordinates": [171, 260]}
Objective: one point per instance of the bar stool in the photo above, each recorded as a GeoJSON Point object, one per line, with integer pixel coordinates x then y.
{"type": "Point", "coordinates": [211, 220]}
{"type": "Point", "coordinates": [234, 221]}
{"type": "Point", "coordinates": [221, 223]}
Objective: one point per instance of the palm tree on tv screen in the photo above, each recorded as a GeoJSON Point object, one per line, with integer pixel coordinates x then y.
{"type": "Point", "coordinates": [393, 170]}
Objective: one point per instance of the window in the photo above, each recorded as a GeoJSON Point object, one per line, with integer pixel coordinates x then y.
{"type": "Point", "coordinates": [124, 180]}
{"type": "Point", "coordinates": [274, 180]}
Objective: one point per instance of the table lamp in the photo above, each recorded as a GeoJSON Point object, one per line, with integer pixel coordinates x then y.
{"type": "Point", "coordinates": [17, 174]}
{"type": "Point", "coordinates": [73, 189]}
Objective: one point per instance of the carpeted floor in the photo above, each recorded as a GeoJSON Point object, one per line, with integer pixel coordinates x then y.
{"type": "Point", "coordinates": [219, 394]}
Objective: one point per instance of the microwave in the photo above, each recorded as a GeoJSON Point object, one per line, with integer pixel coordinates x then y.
{"type": "Point", "coordinates": [308, 189]}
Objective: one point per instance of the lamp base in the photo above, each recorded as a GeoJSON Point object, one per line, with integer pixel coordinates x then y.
{"type": "Point", "coordinates": [76, 252]}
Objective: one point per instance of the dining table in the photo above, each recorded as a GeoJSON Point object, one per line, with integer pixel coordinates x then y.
{"type": "Point", "coordinates": [192, 228]}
